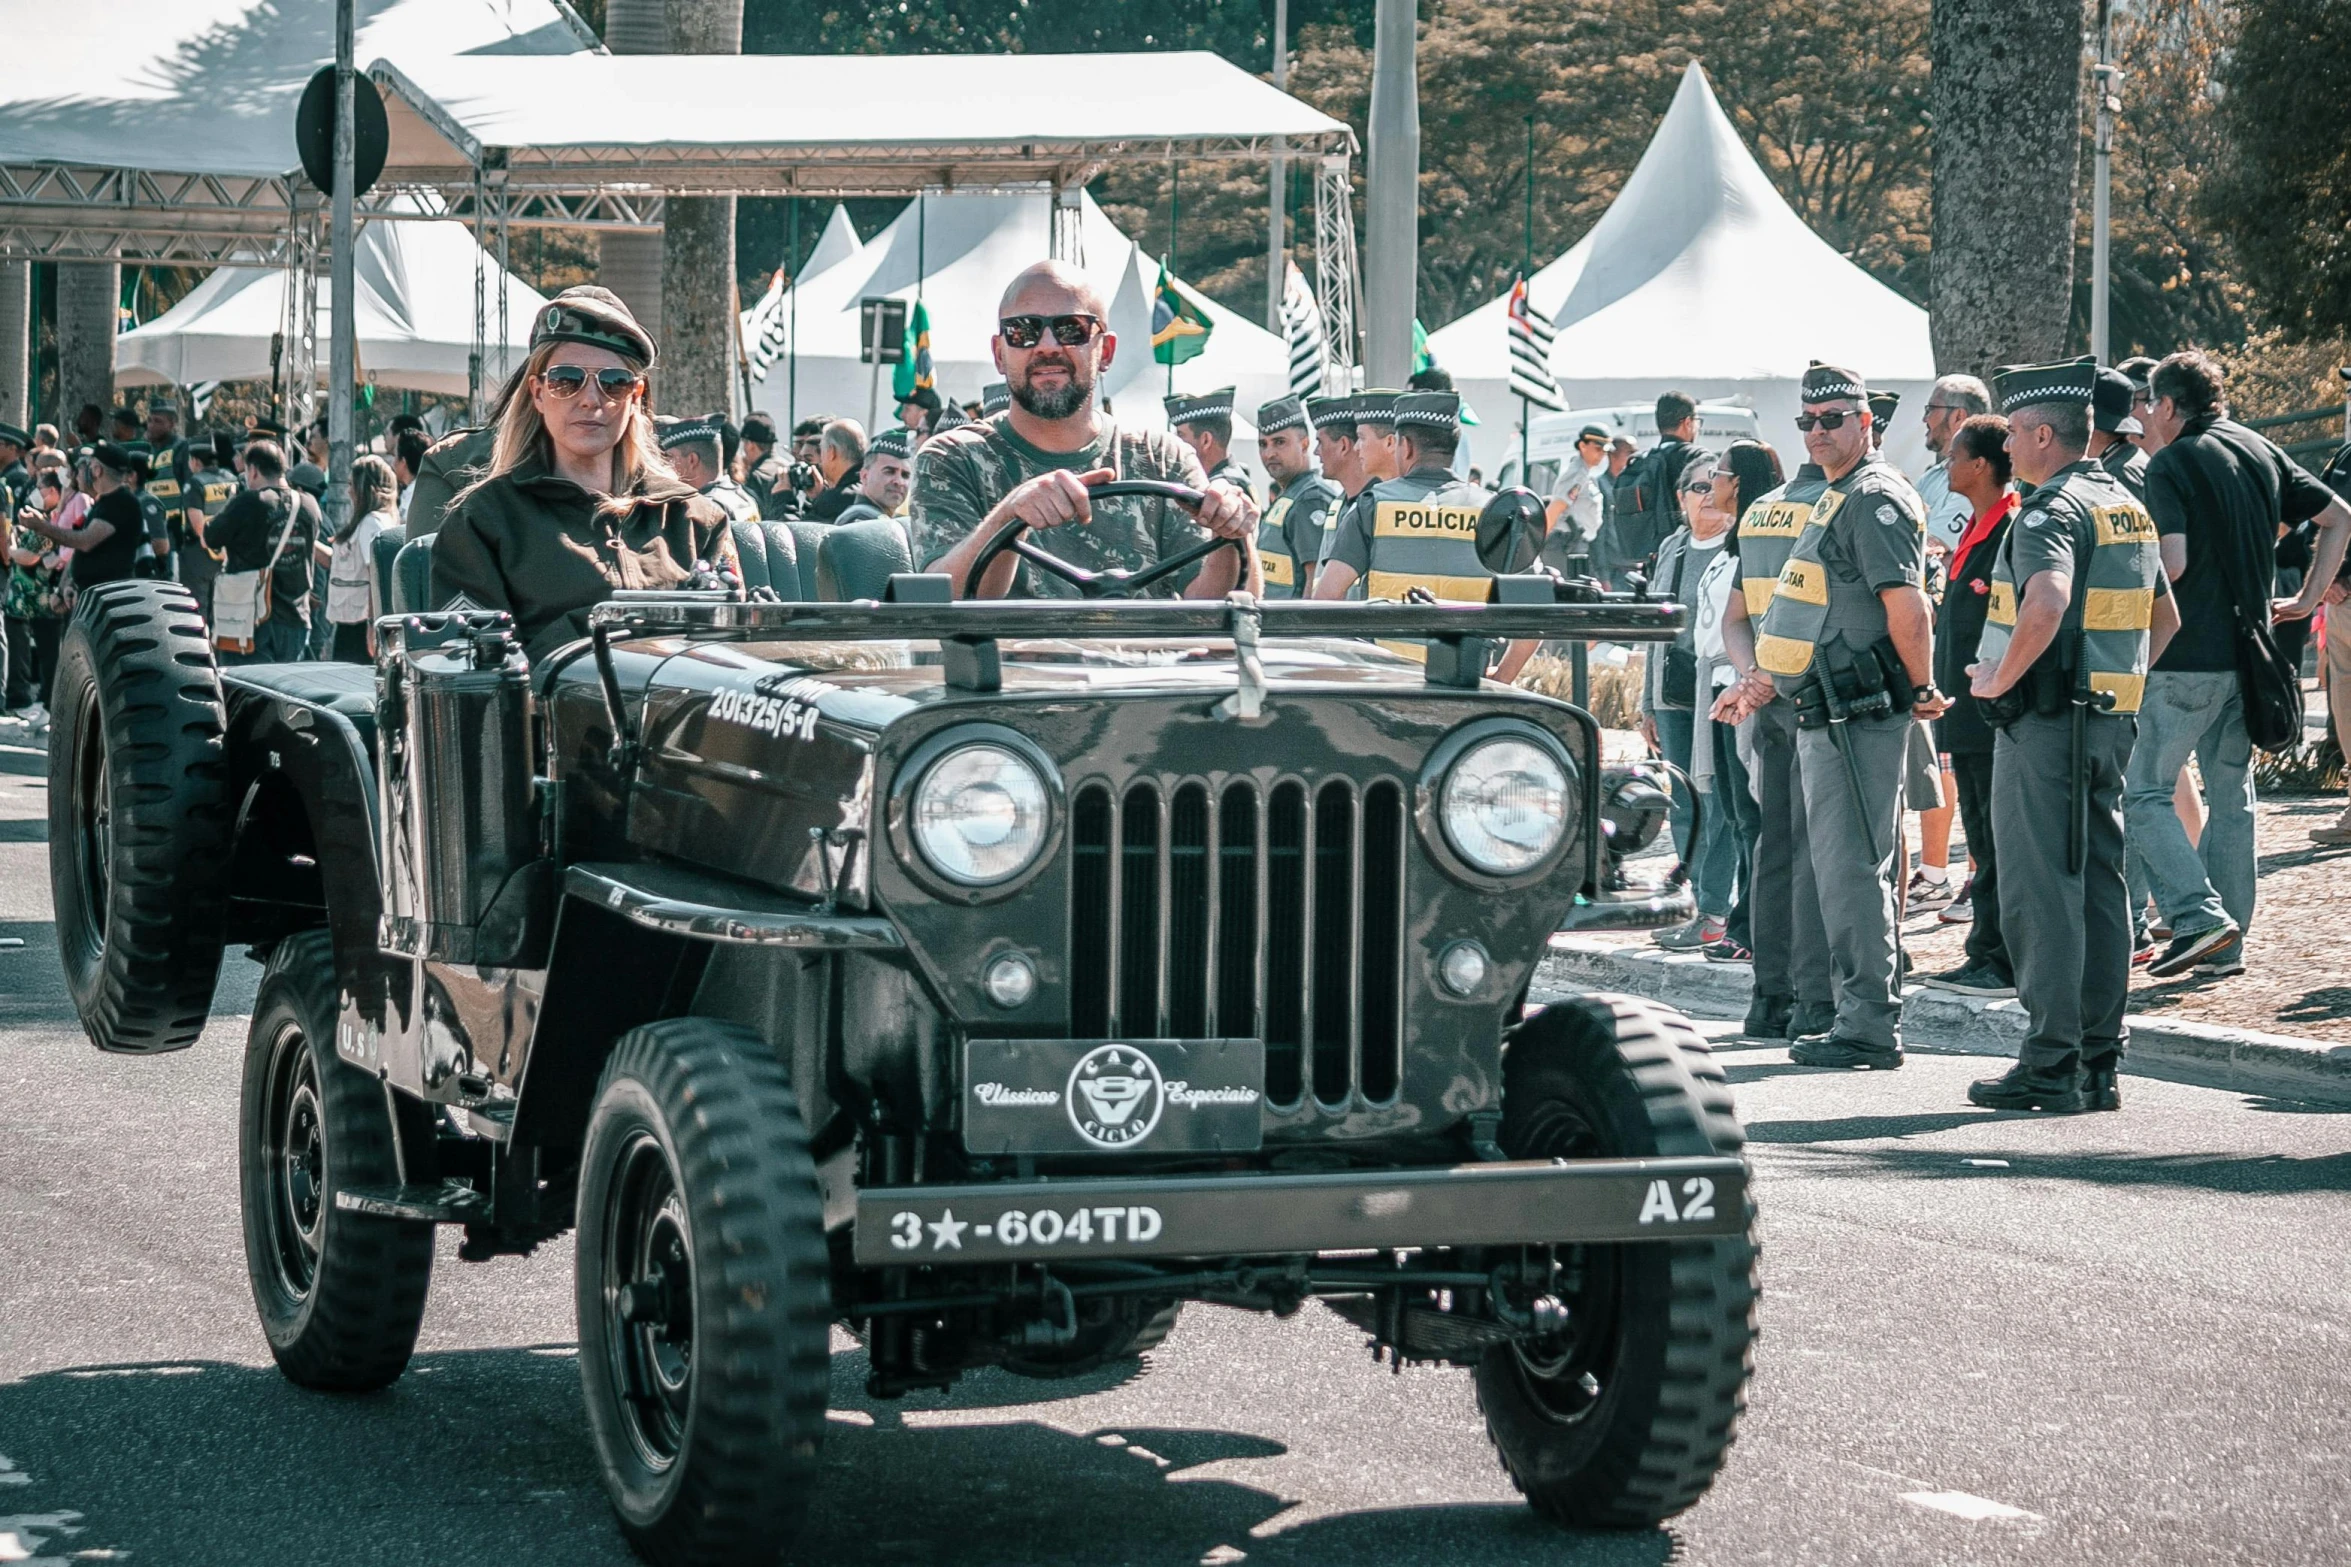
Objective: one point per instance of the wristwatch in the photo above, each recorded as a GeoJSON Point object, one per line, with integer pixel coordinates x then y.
{"type": "Point", "coordinates": [1925, 693]}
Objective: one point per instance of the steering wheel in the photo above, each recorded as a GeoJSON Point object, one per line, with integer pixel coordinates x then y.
{"type": "Point", "coordinates": [1117, 582]}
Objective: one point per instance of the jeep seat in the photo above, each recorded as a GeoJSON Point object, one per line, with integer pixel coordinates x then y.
{"type": "Point", "coordinates": [379, 569]}
{"type": "Point", "coordinates": [807, 544]}
{"type": "Point", "coordinates": [412, 578]}
{"type": "Point", "coordinates": [857, 559]}
{"type": "Point", "coordinates": [771, 559]}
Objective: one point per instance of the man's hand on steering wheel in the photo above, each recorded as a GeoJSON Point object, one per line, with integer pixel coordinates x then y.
{"type": "Point", "coordinates": [1228, 512]}
{"type": "Point", "coordinates": [1049, 500]}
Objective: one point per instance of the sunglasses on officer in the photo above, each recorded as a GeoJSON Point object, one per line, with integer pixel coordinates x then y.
{"type": "Point", "coordinates": [564, 382]}
{"type": "Point", "coordinates": [1069, 331]}
{"type": "Point", "coordinates": [1834, 419]}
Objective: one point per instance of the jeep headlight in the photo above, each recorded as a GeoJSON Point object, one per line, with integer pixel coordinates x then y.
{"type": "Point", "coordinates": [980, 815]}
{"type": "Point", "coordinates": [1504, 805]}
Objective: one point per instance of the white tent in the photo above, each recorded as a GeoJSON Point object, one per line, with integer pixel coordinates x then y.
{"type": "Point", "coordinates": [414, 318]}
{"type": "Point", "coordinates": [970, 246]}
{"type": "Point", "coordinates": [1698, 278]}
{"type": "Point", "coordinates": [767, 324]}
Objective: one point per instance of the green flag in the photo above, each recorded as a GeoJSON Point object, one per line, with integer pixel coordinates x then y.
{"type": "Point", "coordinates": [1179, 328]}
{"type": "Point", "coordinates": [913, 372]}
{"type": "Point", "coordinates": [1422, 359]}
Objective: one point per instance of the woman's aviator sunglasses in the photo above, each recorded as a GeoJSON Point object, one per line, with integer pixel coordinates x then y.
{"type": "Point", "coordinates": [1029, 331]}
{"type": "Point", "coordinates": [565, 381]}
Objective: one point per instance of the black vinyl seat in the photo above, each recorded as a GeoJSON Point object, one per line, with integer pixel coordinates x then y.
{"type": "Point", "coordinates": [857, 559]}
{"type": "Point", "coordinates": [771, 559]}
{"type": "Point", "coordinates": [379, 570]}
{"type": "Point", "coordinates": [412, 578]}
{"type": "Point", "coordinates": [808, 543]}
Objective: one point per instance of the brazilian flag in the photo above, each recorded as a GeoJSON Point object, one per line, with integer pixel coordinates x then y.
{"type": "Point", "coordinates": [913, 372]}
{"type": "Point", "coordinates": [1179, 328]}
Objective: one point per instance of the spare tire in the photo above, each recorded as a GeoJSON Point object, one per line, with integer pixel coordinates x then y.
{"type": "Point", "coordinates": [139, 816]}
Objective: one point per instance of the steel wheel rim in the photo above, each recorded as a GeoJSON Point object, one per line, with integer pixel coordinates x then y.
{"type": "Point", "coordinates": [1567, 1376]}
{"type": "Point", "coordinates": [649, 1315]}
{"type": "Point", "coordinates": [93, 837]}
{"type": "Point", "coordinates": [294, 1141]}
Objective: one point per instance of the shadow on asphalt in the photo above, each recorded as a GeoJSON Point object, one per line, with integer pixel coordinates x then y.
{"type": "Point", "coordinates": [2252, 1175]}
{"type": "Point", "coordinates": [1864, 1128]}
{"type": "Point", "coordinates": [484, 1456]}
{"type": "Point", "coordinates": [25, 829]}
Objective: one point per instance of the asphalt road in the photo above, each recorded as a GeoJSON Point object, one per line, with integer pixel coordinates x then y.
{"type": "Point", "coordinates": [1986, 1339]}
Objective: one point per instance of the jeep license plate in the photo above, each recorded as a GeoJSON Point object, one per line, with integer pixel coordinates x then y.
{"type": "Point", "coordinates": [1033, 1096]}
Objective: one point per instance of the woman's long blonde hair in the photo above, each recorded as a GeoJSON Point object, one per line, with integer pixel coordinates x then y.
{"type": "Point", "coordinates": [522, 436]}
{"type": "Point", "coordinates": [373, 488]}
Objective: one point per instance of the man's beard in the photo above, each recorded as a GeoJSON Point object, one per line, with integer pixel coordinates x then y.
{"type": "Point", "coordinates": [1076, 393]}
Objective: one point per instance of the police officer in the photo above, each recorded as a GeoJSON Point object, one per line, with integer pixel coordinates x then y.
{"type": "Point", "coordinates": [1335, 448]}
{"type": "Point", "coordinates": [1205, 424]}
{"type": "Point", "coordinates": [154, 516]}
{"type": "Point", "coordinates": [695, 450]}
{"type": "Point", "coordinates": [2080, 607]}
{"type": "Point", "coordinates": [763, 470]}
{"type": "Point", "coordinates": [1375, 436]}
{"type": "Point", "coordinates": [1290, 534]}
{"type": "Point", "coordinates": [2111, 429]}
{"type": "Point", "coordinates": [209, 490]}
{"type": "Point", "coordinates": [1847, 639]}
{"type": "Point", "coordinates": [885, 477]}
{"type": "Point", "coordinates": [1794, 995]}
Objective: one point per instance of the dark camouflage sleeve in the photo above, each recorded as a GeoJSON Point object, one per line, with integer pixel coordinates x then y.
{"type": "Point", "coordinates": [950, 498]}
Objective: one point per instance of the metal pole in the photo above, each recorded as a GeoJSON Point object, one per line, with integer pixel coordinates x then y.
{"type": "Point", "coordinates": [2109, 82]}
{"type": "Point", "coordinates": [1175, 209]}
{"type": "Point", "coordinates": [341, 300]}
{"type": "Point", "coordinates": [1392, 221]}
{"type": "Point", "coordinates": [1275, 229]}
{"type": "Point", "coordinates": [792, 331]}
{"type": "Point", "coordinates": [873, 387]}
{"type": "Point", "coordinates": [1530, 259]}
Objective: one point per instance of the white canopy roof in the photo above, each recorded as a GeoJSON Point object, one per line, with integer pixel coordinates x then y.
{"type": "Point", "coordinates": [874, 123]}
{"type": "Point", "coordinates": [1698, 278]}
{"type": "Point", "coordinates": [414, 316]}
{"type": "Point", "coordinates": [971, 247]}
{"type": "Point", "coordinates": [209, 86]}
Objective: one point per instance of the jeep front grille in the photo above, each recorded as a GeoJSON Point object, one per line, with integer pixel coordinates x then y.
{"type": "Point", "coordinates": [1211, 910]}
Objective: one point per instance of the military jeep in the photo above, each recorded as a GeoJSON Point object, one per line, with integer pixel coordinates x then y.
{"type": "Point", "coordinates": [994, 979]}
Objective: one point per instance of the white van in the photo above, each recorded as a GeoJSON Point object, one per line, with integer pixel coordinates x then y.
{"type": "Point", "coordinates": [1551, 437]}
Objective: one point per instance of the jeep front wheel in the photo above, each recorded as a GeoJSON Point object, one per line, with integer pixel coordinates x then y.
{"type": "Point", "coordinates": [1621, 1418]}
{"type": "Point", "coordinates": [703, 1294]}
{"type": "Point", "coordinates": [341, 1294]}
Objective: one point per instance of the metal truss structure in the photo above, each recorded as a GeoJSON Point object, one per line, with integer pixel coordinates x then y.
{"type": "Point", "coordinates": [1338, 279]}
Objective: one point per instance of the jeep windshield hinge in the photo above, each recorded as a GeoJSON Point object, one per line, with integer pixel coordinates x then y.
{"type": "Point", "coordinates": [1248, 699]}
{"type": "Point", "coordinates": [624, 752]}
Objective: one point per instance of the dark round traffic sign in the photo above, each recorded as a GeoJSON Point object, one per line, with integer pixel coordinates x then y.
{"type": "Point", "coordinates": [314, 131]}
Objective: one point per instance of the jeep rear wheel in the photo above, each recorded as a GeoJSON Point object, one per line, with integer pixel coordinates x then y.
{"type": "Point", "coordinates": [1622, 1419]}
{"type": "Point", "coordinates": [138, 816]}
{"type": "Point", "coordinates": [341, 1294]}
{"type": "Point", "coordinates": [703, 1294]}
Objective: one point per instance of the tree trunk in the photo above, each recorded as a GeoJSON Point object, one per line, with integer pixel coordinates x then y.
{"type": "Point", "coordinates": [16, 342]}
{"type": "Point", "coordinates": [686, 299]}
{"type": "Point", "coordinates": [2006, 90]}
{"type": "Point", "coordinates": [89, 295]}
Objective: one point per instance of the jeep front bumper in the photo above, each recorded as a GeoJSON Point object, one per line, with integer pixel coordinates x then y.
{"type": "Point", "coordinates": [1507, 1204]}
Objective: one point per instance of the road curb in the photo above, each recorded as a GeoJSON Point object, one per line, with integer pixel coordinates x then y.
{"type": "Point", "coordinates": [2240, 1060]}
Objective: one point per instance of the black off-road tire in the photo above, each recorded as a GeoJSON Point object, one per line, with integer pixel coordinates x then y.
{"type": "Point", "coordinates": [139, 816]}
{"type": "Point", "coordinates": [340, 1294]}
{"type": "Point", "coordinates": [696, 1153]}
{"type": "Point", "coordinates": [1672, 1324]}
{"type": "Point", "coordinates": [1131, 1329]}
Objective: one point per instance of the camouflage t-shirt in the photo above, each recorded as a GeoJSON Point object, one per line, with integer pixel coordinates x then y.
{"type": "Point", "coordinates": [961, 475]}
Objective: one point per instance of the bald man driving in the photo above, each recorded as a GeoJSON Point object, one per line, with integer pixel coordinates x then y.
{"type": "Point", "coordinates": [1034, 460]}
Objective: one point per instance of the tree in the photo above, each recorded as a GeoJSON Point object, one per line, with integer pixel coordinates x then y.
{"type": "Point", "coordinates": [2283, 187]}
{"type": "Point", "coordinates": [2006, 93]}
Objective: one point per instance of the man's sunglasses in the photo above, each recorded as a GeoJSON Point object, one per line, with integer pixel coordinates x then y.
{"type": "Point", "coordinates": [1833, 420]}
{"type": "Point", "coordinates": [565, 381]}
{"type": "Point", "coordinates": [1029, 331]}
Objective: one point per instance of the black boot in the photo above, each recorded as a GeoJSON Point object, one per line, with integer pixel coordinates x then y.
{"type": "Point", "coordinates": [1812, 1017]}
{"type": "Point", "coordinates": [2030, 1088]}
{"type": "Point", "coordinates": [1767, 1017]}
{"type": "Point", "coordinates": [1831, 1050]}
{"type": "Point", "coordinates": [2102, 1081]}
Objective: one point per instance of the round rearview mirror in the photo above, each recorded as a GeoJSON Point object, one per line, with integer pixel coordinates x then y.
{"type": "Point", "coordinates": [1510, 531]}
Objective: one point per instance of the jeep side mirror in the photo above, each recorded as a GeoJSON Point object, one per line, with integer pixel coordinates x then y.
{"type": "Point", "coordinates": [1510, 531]}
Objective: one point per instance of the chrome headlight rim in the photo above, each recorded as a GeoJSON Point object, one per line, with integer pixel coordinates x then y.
{"type": "Point", "coordinates": [1429, 812]}
{"type": "Point", "coordinates": [907, 780]}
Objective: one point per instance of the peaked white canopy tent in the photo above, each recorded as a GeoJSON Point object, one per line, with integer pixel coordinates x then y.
{"type": "Point", "coordinates": [414, 321]}
{"type": "Point", "coordinates": [1698, 278]}
{"type": "Point", "coordinates": [964, 249]}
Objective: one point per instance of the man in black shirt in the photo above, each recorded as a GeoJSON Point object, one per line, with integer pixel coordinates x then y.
{"type": "Point", "coordinates": [2218, 493]}
{"type": "Point", "coordinates": [248, 530]}
{"type": "Point", "coordinates": [106, 546]}
{"type": "Point", "coordinates": [840, 458]}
